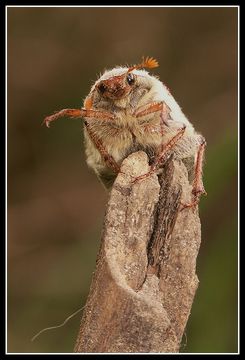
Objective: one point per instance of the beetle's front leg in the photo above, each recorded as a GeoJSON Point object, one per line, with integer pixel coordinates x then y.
{"type": "Point", "coordinates": [152, 108]}
{"type": "Point", "coordinates": [89, 113]}
{"type": "Point", "coordinates": [79, 113]}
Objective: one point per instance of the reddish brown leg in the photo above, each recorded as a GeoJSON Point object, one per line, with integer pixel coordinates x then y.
{"type": "Point", "coordinates": [108, 159]}
{"type": "Point", "coordinates": [89, 113]}
{"type": "Point", "coordinates": [166, 147]}
{"type": "Point", "coordinates": [150, 108]}
{"type": "Point", "coordinates": [198, 188]}
{"type": "Point", "coordinates": [162, 155]}
{"type": "Point", "coordinates": [79, 113]}
{"type": "Point", "coordinates": [74, 113]}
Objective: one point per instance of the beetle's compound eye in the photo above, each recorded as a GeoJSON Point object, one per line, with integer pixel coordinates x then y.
{"type": "Point", "coordinates": [101, 87]}
{"type": "Point", "coordinates": [130, 79]}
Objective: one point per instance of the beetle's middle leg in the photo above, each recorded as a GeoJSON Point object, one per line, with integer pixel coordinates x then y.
{"type": "Point", "coordinates": [160, 158]}
{"type": "Point", "coordinates": [108, 159]}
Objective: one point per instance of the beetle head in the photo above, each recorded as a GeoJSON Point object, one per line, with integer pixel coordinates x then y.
{"type": "Point", "coordinates": [119, 86]}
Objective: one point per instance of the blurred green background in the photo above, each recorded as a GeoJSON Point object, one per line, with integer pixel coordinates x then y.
{"type": "Point", "coordinates": [56, 205]}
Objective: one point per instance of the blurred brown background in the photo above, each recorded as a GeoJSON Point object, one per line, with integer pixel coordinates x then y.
{"type": "Point", "coordinates": [56, 205]}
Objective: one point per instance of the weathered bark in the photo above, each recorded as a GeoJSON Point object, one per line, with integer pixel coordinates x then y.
{"type": "Point", "coordinates": [145, 281]}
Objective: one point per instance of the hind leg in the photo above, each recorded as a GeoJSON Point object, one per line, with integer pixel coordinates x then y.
{"type": "Point", "coordinates": [197, 185]}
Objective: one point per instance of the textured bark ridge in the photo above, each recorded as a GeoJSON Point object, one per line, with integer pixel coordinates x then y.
{"type": "Point", "coordinates": [145, 281]}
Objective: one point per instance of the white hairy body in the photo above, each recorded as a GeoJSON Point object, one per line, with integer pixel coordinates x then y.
{"type": "Point", "coordinates": [126, 133]}
{"type": "Point", "coordinates": [128, 110]}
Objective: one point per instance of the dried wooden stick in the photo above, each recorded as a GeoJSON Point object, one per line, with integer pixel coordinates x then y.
{"type": "Point", "coordinates": [145, 280]}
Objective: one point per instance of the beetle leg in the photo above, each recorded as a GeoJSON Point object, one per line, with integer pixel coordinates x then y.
{"type": "Point", "coordinates": [108, 159]}
{"type": "Point", "coordinates": [89, 113]}
{"type": "Point", "coordinates": [197, 186]}
{"type": "Point", "coordinates": [79, 113]}
{"type": "Point", "coordinates": [151, 108]}
{"type": "Point", "coordinates": [163, 154]}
